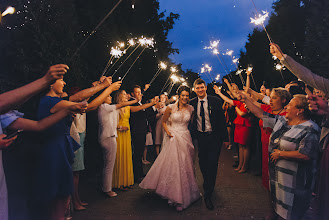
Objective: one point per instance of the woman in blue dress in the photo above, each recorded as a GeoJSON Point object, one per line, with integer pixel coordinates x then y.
{"type": "Point", "coordinates": [54, 180]}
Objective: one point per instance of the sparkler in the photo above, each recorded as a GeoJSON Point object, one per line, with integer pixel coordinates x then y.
{"type": "Point", "coordinates": [131, 43]}
{"type": "Point", "coordinates": [260, 20]}
{"type": "Point", "coordinates": [95, 29]}
{"type": "Point", "coordinates": [279, 67]}
{"type": "Point", "coordinates": [214, 47]}
{"type": "Point", "coordinates": [173, 70]}
{"type": "Point", "coordinates": [162, 66]}
{"type": "Point", "coordinates": [9, 10]}
{"type": "Point", "coordinates": [124, 76]}
{"type": "Point", "coordinates": [206, 69]}
{"type": "Point", "coordinates": [249, 69]}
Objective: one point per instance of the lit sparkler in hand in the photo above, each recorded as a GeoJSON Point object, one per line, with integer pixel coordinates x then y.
{"type": "Point", "coordinates": [229, 52]}
{"type": "Point", "coordinates": [161, 66]}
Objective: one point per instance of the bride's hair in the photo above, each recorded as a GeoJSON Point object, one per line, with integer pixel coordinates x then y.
{"type": "Point", "coordinates": [180, 90]}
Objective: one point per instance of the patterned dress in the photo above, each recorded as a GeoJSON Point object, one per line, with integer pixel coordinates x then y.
{"type": "Point", "coordinates": [291, 181]}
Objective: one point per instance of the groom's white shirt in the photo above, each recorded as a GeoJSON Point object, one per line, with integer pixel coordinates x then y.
{"type": "Point", "coordinates": [206, 114]}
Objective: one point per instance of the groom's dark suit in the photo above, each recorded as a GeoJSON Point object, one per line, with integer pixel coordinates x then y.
{"type": "Point", "coordinates": [209, 142]}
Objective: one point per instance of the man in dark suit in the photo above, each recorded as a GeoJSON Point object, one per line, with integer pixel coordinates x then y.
{"type": "Point", "coordinates": [209, 128]}
{"type": "Point", "coordinates": [138, 128]}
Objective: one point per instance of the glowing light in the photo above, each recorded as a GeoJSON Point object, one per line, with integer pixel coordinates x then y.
{"type": "Point", "coordinates": [213, 45]}
{"type": "Point", "coordinates": [133, 6]}
{"type": "Point", "coordinates": [236, 60]}
{"type": "Point", "coordinates": [260, 20]}
{"type": "Point", "coordinates": [238, 72]}
{"type": "Point", "coordinates": [249, 69]}
{"type": "Point", "coordinates": [165, 93]}
{"type": "Point", "coordinates": [182, 79]}
{"type": "Point", "coordinates": [173, 69]}
{"type": "Point", "coordinates": [174, 78]}
{"type": "Point", "coordinates": [229, 53]}
{"type": "Point", "coordinates": [162, 65]}
{"type": "Point", "coordinates": [148, 42]}
{"type": "Point", "coordinates": [215, 51]}
{"type": "Point", "coordinates": [121, 44]}
{"type": "Point", "coordinates": [9, 10]}
{"type": "Point", "coordinates": [274, 57]}
{"type": "Point", "coordinates": [184, 84]}
{"type": "Point", "coordinates": [116, 52]}
{"type": "Point", "coordinates": [278, 66]}
{"type": "Point", "coordinates": [131, 42]}
{"type": "Point", "coordinates": [142, 41]}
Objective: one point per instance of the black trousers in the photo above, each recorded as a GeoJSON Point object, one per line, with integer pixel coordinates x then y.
{"type": "Point", "coordinates": [138, 147]}
{"type": "Point", "coordinates": [209, 151]}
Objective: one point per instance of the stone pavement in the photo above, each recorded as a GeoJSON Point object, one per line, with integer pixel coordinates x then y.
{"type": "Point", "coordinates": [237, 196]}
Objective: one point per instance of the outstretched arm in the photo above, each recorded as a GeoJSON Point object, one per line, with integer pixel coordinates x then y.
{"type": "Point", "coordinates": [300, 71]}
{"type": "Point", "coordinates": [124, 104]}
{"type": "Point", "coordinates": [226, 99]}
{"type": "Point", "coordinates": [87, 93]}
{"type": "Point", "coordinates": [145, 106]}
{"type": "Point", "coordinates": [257, 111]}
{"type": "Point", "coordinates": [30, 125]}
{"type": "Point", "coordinates": [13, 99]}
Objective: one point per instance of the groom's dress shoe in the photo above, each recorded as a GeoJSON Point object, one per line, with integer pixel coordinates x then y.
{"type": "Point", "coordinates": [208, 203]}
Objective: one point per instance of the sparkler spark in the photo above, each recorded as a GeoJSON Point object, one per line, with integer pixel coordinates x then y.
{"type": "Point", "coordinates": [116, 52]}
{"type": "Point", "coordinates": [173, 69]}
{"type": "Point", "coordinates": [174, 78]}
{"type": "Point", "coordinates": [213, 45]}
{"type": "Point", "coordinates": [215, 51]}
{"type": "Point", "coordinates": [236, 60]}
{"type": "Point", "coordinates": [260, 20]}
{"type": "Point", "coordinates": [238, 72]}
{"type": "Point", "coordinates": [250, 69]}
{"type": "Point", "coordinates": [162, 65]}
{"type": "Point", "coordinates": [131, 42]}
{"type": "Point", "coordinates": [229, 53]}
{"type": "Point", "coordinates": [148, 42]}
{"type": "Point", "coordinates": [278, 66]}
{"type": "Point", "coordinates": [121, 44]}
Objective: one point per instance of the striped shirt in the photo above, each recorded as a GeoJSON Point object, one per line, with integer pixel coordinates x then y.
{"type": "Point", "coordinates": [291, 181]}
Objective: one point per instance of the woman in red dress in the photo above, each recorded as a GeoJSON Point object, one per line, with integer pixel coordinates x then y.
{"type": "Point", "coordinates": [280, 97]}
{"type": "Point", "coordinates": [242, 130]}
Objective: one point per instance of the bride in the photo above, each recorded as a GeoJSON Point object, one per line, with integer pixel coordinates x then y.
{"type": "Point", "coordinates": [172, 174]}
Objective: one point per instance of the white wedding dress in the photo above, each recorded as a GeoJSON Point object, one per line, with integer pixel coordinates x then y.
{"type": "Point", "coordinates": [172, 174]}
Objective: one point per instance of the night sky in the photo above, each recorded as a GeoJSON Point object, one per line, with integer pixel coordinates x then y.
{"type": "Point", "coordinates": [202, 21]}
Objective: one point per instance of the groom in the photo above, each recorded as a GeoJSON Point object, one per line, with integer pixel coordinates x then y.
{"type": "Point", "coordinates": [209, 128]}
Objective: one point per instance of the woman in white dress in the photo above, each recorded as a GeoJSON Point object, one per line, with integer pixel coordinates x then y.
{"type": "Point", "coordinates": [172, 174]}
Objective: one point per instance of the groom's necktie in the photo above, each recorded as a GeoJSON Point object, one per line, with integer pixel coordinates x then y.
{"type": "Point", "coordinates": [203, 123]}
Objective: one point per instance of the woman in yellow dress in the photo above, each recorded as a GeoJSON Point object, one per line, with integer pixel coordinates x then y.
{"type": "Point", "coordinates": [123, 176]}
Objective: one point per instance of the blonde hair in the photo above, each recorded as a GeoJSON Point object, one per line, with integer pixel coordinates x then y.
{"type": "Point", "coordinates": [302, 103]}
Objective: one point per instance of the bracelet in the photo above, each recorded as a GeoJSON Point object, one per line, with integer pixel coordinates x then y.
{"type": "Point", "coordinates": [279, 153]}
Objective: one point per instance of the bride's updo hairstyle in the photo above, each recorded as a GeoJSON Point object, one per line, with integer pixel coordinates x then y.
{"type": "Point", "coordinates": [180, 90]}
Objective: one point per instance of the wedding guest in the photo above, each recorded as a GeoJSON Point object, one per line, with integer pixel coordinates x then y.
{"type": "Point", "coordinates": [11, 100]}
{"type": "Point", "coordinates": [123, 176]}
{"type": "Point", "coordinates": [242, 130]}
{"type": "Point", "coordinates": [293, 153]}
{"type": "Point", "coordinates": [54, 176]}
{"type": "Point", "coordinates": [139, 128]}
{"type": "Point", "coordinates": [108, 117]}
{"type": "Point", "coordinates": [279, 99]}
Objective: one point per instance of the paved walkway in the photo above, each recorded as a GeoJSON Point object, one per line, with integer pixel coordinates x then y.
{"type": "Point", "coordinates": [237, 196]}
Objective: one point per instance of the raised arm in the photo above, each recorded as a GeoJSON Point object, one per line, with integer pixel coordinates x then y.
{"type": "Point", "coordinates": [257, 111]}
{"type": "Point", "coordinates": [87, 93]}
{"type": "Point", "coordinates": [226, 99]}
{"type": "Point", "coordinates": [13, 99]}
{"type": "Point", "coordinates": [124, 104]}
{"type": "Point", "coordinates": [229, 86]}
{"type": "Point", "coordinates": [300, 71]}
{"type": "Point", "coordinates": [145, 106]}
{"type": "Point", "coordinates": [164, 121]}
{"type": "Point", "coordinates": [239, 112]}
{"type": "Point", "coordinates": [30, 125]}
{"type": "Point", "coordinates": [101, 98]}
{"type": "Point", "coordinates": [248, 80]}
